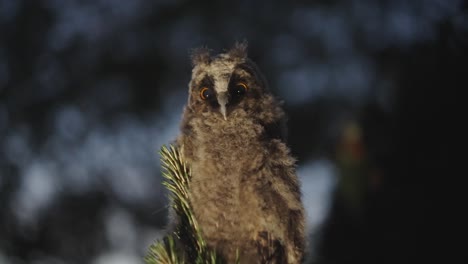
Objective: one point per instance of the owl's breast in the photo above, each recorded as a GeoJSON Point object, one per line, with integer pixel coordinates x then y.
{"type": "Point", "coordinates": [228, 152]}
{"type": "Point", "coordinates": [224, 166]}
{"type": "Point", "coordinates": [232, 152]}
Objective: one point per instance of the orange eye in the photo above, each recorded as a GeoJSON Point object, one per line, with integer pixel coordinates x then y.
{"type": "Point", "coordinates": [205, 93]}
{"type": "Point", "coordinates": [242, 85]}
{"type": "Point", "coordinates": [240, 89]}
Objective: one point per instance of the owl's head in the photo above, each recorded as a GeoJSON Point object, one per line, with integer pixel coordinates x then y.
{"type": "Point", "coordinates": [225, 82]}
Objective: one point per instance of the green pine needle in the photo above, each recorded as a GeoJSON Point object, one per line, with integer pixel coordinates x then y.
{"type": "Point", "coordinates": [163, 252]}
{"type": "Point", "coordinates": [187, 233]}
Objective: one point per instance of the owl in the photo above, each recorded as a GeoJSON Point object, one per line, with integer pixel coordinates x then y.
{"type": "Point", "coordinates": [244, 191]}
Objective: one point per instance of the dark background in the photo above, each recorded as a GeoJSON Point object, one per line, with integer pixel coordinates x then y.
{"type": "Point", "coordinates": [90, 90]}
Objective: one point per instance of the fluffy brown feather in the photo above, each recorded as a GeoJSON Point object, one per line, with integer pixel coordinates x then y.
{"type": "Point", "coordinates": [244, 191]}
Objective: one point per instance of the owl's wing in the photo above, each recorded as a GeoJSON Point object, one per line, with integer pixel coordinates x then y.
{"type": "Point", "coordinates": [269, 249]}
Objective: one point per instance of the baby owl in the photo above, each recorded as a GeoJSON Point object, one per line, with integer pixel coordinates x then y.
{"type": "Point", "coordinates": [244, 190]}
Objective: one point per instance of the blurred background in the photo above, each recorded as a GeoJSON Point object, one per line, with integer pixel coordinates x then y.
{"type": "Point", "coordinates": [90, 90]}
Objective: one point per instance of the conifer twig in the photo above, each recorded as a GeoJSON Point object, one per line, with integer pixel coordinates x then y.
{"type": "Point", "coordinates": [187, 233]}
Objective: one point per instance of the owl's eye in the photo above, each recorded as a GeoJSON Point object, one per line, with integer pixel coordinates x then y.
{"type": "Point", "coordinates": [240, 88]}
{"type": "Point", "coordinates": [205, 93]}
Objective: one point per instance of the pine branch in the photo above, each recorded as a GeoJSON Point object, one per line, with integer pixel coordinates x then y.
{"type": "Point", "coordinates": [193, 248]}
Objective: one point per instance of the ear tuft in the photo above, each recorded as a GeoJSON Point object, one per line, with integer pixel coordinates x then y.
{"type": "Point", "coordinates": [239, 50]}
{"type": "Point", "coordinates": [200, 56]}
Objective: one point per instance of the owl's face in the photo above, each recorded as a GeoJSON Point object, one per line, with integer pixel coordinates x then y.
{"type": "Point", "coordinates": [225, 83]}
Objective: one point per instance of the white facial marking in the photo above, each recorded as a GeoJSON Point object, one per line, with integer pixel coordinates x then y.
{"type": "Point", "coordinates": [220, 69]}
{"type": "Point", "coordinates": [222, 101]}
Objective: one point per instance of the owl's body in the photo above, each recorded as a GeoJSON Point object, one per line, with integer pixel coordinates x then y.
{"type": "Point", "coordinates": [244, 191]}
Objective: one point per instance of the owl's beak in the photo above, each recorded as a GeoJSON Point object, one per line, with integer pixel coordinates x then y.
{"type": "Point", "coordinates": [222, 101]}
